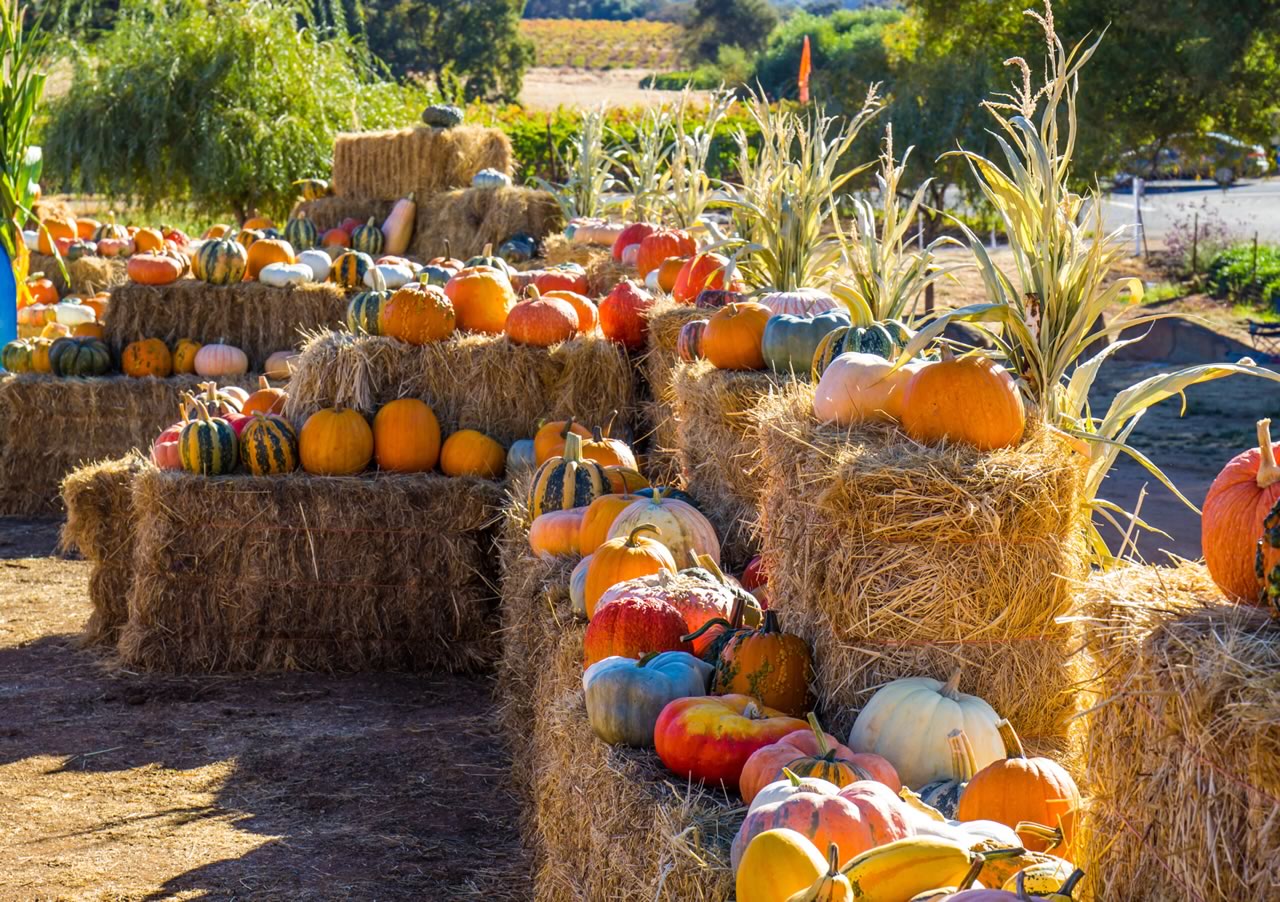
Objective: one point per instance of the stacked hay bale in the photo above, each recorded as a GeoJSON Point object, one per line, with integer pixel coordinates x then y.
{"type": "Point", "coordinates": [85, 277]}
{"type": "Point", "coordinates": [1182, 740]}
{"type": "Point", "coordinates": [666, 318]}
{"type": "Point", "coordinates": [895, 559]}
{"type": "Point", "coordinates": [371, 170]}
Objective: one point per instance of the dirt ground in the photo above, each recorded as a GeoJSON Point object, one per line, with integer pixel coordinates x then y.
{"type": "Point", "coordinates": [546, 89]}
{"type": "Point", "coordinates": [124, 786]}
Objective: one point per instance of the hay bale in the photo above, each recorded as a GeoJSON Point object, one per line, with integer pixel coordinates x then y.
{"type": "Point", "coordinates": [1183, 743]}
{"type": "Point", "coordinates": [385, 572]}
{"type": "Point", "coordinates": [388, 165]}
{"type": "Point", "coordinates": [666, 318]}
{"type": "Point", "coordinates": [470, 218]}
{"type": "Point", "coordinates": [471, 381]}
{"type": "Point", "coordinates": [718, 443]}
{"type": "Point", "coordinates": [254, 317]}
{"type": "Point", "coordinates": [51, 426]}
{"type": "Point", "coordinates": [895, 559]}
{"type": "Point", "coordinates": [89, 275]}
{"type": "Point", "coordinates": [99, 502]}
{"type": "Point", "coordinates": [602, 272]}
{"type": "Point", "coordinates": [327, 212]}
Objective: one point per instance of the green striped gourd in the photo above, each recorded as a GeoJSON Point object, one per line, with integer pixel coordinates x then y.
{"type": "Point", "coordinates": [16, 356]}
{"type": "Point", "coordinates": [221, 261]}
{"type": "Point", "coordinates": [364, 311]}
{"type": "Point", "coordinates": [269, 445]}
{"type": "Point", "coordinates": [367, 238]}
{"type": "Point", "coordinates": [301, 233]}
{"type": "Point", "coordinates": [313, 189]}
{"type": "Point", "coordinates": [349, 269]}
{"type": "Point", "coordinates": [566, 482]}
{"type": "Point", "coordinates": [207, 445]}
{"type": "Point", "coordinates": [944, 795]}
{"type": "Point", "coordinates": [841, 340]}
{"type": "Point", "coordinates": [79, 357]}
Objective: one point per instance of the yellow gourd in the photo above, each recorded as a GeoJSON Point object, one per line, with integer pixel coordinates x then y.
{"type": "Point", "coordinates": [777, 865]}
{"type": "Point", "coordinates": [397, 228]}
{"type": "Point", "coordinates": [832, 886]}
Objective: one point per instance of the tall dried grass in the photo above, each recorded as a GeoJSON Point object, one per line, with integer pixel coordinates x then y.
{"type": "Point", "coordinates": [471, 218]}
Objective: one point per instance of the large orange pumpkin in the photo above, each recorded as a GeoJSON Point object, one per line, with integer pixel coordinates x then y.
{"type": "Point", "coordinates": [418, 314]}
{"type": "Point", "coordinates": [53, 230]}
{"type": "Point", "coordinates": [1018, 788]}
{"type": "Point", "coordinates": [1238, 501]}
{"type": "Point", "coordinates": [148, 357]}
{"type": "Point", "coordinates": [335, 442]}
{"type": "Point", "coordinates": [598, 516]}
{"type": "Point", "coordinates": [266, 251]}
{"type": "Point", "coordinates": [148, 241]}
{"type": "Point", "coordinates": [154, 269]}
{"type": "Point", "coordinates": [972, 400]}
{"type": "Point", "coordinates": [541, 321]}
{"type": "Point", "coordinates": [661, 245]}
{"type": "Point", "coordinates": [548, 441]}
{"type": "Point", "coordinates": [625, 557]}
{"type": "Point", "coordinates": [482, 298]}
{"type": "Point", "coordinates": [733, 336]}
{"type": "Point", "coordinates": [406, 437]}
{"type": "Point", "coordinates": [468, 452]}
{"type": "Point", "coordinates": [706, 270]}
{"type": "Point", "coordinates": [767, 664]}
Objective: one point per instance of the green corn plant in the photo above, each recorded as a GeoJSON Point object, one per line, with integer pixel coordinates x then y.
{"type": "Point", "coordinates": [757, 171]}
{"type": "Point", "coordinates": [590, 168]}
{"type": "Point", "coordinates": [887, 272]}
{"type": "Point", "coordinates": [688, 190]}
{"type": "Point", "coordinates": [786, 203]}
{"type": "Point", "coordinates": [644, 161]}
{"type": "Point", "coordinates": [1042, 316]}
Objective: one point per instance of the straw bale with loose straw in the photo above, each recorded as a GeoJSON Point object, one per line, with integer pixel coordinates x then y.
{"type": "Point", "coordinates": [1183, 740]}
{"type": "Point", "coordinates": [479, 382]}
{"type": "Point", "coordinates": [89, 275]}
{"type": "Point", "coordinates": [256, 318]}
{"type": "Point", "coordinates": [598, 805]}
{"type": "Point", "coordinates": [327, 212]}
{"type": "Point", "coordinates": [50, 426]}
{"type": "Point", "coordinates": [387, 165]}
{"type": "Point", "coordinates": [602, 272]}
{"type": "Point", "coordinates": [666, 318]}
{"type": "Point", "coordinates": [719, 448]}
{"type": "Point", "coordinates": [380, 572]}
{"type": "Point", "coordinates": [895, 559]}
{"type": "Point", "coordinates": [99, 502]}
{"type": "Point", "coordinates": [471, 218]}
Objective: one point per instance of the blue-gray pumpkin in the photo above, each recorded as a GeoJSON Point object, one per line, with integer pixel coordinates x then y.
{"type": "Point", "coordinates": [624, 696]}
{"type": "Point", "coordinates": [790, 342]}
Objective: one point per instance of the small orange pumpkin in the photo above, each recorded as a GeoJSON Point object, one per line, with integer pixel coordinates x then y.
{"type": "Point", "coordinates": [53, 230]}
{"type": "Point", "coordinates": [771, 666]}
{"type": "Point", "coordinates": [154, 269]}
{"type": "Point", "coordinates": [149, 241]}
{"type": "Point", "coordinates": [86, 228]}
{"type": "Point", "coordinates": [418, 314]}
{"type": "Point", "coordinates": [557, 533]}
{"type": "Point", "coordinates": [598, 516]}
{"type": "Point", "coordinates": [609, 452]}
{"type": "Point", "coordinates": [406, 436]}
{"type": "Point", "coordinates": [471, 453]}
{"type": "Point", "coordinates": [733, 336]}
{"type": "Point", "coordinates": [266, 399]}
{"type": "Point", "coordinates": [261, 223]}
{"type": "Point", "coordinates": [184, 355]}
{"type": "Point", "coordinates": [625, 479]}
{"type": "Point", "coordinates": [149, 357]}
{"type": "Point", "coordinates": [43, 291]}
{"type": "Point", "coordinates": [335, 442]}
{"type": "Point", "coordinates": [266, 251]}
{"type": "Point", "coordinates": [482, 297]}
{"type": "Point", "coordinates": [971, 399]}
{"type": "Point", "coordinates": [623, 558]}
{"type": "Point", "coordinates": [541, 322]}
{"type": "Point", "coordinates": [548, 441]}
{"type": "Point", "coordinates": [588, 315]}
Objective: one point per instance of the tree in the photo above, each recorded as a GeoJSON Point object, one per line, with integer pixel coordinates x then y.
{"type": "Point", "coordinates": [470, 47]}
{"type": "Point", "coordinates": [741, 23]}
{"type": "Point", "coordinates": [223, 105]}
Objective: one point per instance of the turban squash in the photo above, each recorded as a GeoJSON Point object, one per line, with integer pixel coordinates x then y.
{"type": "Point", "coordinates": [567, 481]}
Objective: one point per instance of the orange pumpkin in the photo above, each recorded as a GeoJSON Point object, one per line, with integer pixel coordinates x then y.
{"type": "Point", "coordinates": [588, 315]}
{"type": "Point", "coordinates": [247, 237]}
{"type": "Point", "coordinates": [418, 314]}
{"type": "Point", "coordinates": [767, 664]}
{"type": "Point", "coordinates": [733, 336]}
{"type": "Point", "coordinates": [266, 399]}
{"type": "Point", "coordinates": [87, 228]}
{"type": "Point", "coordinates": [53, 230]}
{"type": "Point", "coordinates": [471, 453]}
{"type": "Point", "coordinates": [548, 441]}
{"type": "Point", "coordinates": [972, 400]}
{"type": "Point", "coordinates": [705, 270]}
{"type": "Point", "coordinates": [557, 533]}
{"type": "Point", "coordinates": [149, 241]}
{"type": "Point", "coordinates": [260, 223]}
{"type": "Point", "coordinates": [43, 291]}
{"type": "Point", "coordinates": [99, 304]}
{"type": "Point", "coordinates": [813, 753]}
{"type": "Point", "coordinates": [598, 516]}
{"type": "Point", "coordinates": [482, 298]}
{"type": "Point", "coordinates": [266, 251]}
{"type": "Point", "coordinates": [406, 437]}
{"type": "Point", "coordinates": [184, 355]}
{"type": "Point", "coordinates": [625, 479]}
{"type": "Point", "coordinates": [1238, 501]}
{"type": "Point", "coordinates": [669, 272]}
{"type": "Point", "coordinates": [625, 557]}
{"type": "Point", "coordinates": [661, 245]}
{"type": "Point", "coordinates": [88, 330]}
{"type": "Point", "coordinates": [215, 231]}
{"type": "Point", "coordinates": [335, 442]}
{"type": "Point", "coordinates": [149, 357]}
{"type": "Point", "coordinates": [154, 269]}
{"type": "Point", "coordinates": [541, 321]}
{"type": "Point", "coordinates": [609, 452]}
{"type": "Point", "coordinates": [1018, 788]}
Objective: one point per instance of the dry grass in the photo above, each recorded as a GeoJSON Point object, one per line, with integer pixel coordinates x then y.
{"type": "Point", "coordinates": [602, 272]}
{"type": "Point", "coordinates": [51, 426]}
{"type": "Point", "coordinates": [327, 212]}
{"type": "Point", "coordinates": [256, 318]}
{"type": "Point", "coordinates": [1183, 745]}
{"type": "Point", "coordinates": [99, 502]}
{"type": "Point", "coordinates": [311, 573]}
{"type": "Point", "coordinates": [471, 381]}
{"type": "Point", "coordinates": [390, 164]}
{"type": "Point", "coordinates": [895, 559]}
{"type": "Point", "coordinates": [89, 275]}
{"type": "Point", "coordinates": [471, 218]}
{"type": "Point", "coordinates": [666, 318]}
{"type": "Point", "coordinates": [718, 439]}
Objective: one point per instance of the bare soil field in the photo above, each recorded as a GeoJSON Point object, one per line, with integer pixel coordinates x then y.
{"type": "Point", "coordinates": [546, 89]}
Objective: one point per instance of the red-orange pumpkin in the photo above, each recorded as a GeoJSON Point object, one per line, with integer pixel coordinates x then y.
{"type": "Point", "coordinates": [813, 753]}
{"type": "Point", "coordinates": [588, 315]}
{"type": "Point", "coordinates": [557, 533]}
{"type": "Point", "coordinates": [660, 246]}
{"type": "Point", "coordinates": [1238, 501]}
{"type": "Point", "coordinates": [706, 270]}
{"type": "Point", "coordinates": [154, 269]}
{"type": "Point", "coordinates": [542, 322]}
{"type": "Point", "coordinates": [632, 628]}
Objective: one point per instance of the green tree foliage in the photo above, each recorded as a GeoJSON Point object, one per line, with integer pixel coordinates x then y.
{"type": "Point", "coordinates": [471, 48]}
{"type": "Point", "coordinates": [729, 23]}
{"type": "Point", "coordinates": [221, 104]}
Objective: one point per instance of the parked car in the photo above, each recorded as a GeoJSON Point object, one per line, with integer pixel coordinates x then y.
{"type": "Point", "coordinates": [1190, 156]}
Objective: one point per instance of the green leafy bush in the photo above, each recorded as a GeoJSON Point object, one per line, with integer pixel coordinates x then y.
{"type": "Point", "coordinates": [1233, 272]}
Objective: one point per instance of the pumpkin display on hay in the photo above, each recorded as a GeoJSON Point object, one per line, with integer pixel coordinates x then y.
{"type": "Point", "coordinates": [387, 165]}
{"type": "Point", "coordinates": [463, 222]}
{"type": "Point", "coordinates": [1182, 737]}
{"type": "Point", "coordinates": [89, 275]}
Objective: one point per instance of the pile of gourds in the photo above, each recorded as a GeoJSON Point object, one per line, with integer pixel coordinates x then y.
{"type": "Point", "coordinates": [76, 237]}
{"type": "Point", "coordinates": [49, 317]}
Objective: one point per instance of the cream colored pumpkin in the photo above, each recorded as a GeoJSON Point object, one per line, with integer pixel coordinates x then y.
{"type": "Point", "coordinates": [318, 261]}
{"type": "Point", "coordinates": [282, 275]}
{"type": "Point", "coordinates": [280, 364]}
{"type": "Point", "coordinates": [908, 721]}
{"type": "Point", "coordinates": [681, 527]}
{"type": "Point", "coordinates": [394, 275]}
{"type": "Point", "coordinates": [857, 388]}
{"type": "Point", "coordinates": [221, 360]}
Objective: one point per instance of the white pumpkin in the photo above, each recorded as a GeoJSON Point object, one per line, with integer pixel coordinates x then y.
{"type": "Point", "coordinates": [856, 388]}
{"type": "Point", "coordinates": [907, 722]}
{"type": "Point", "coordinates": [318, 261]}
{"type": "Point", "coordinates": [681, 527]}
{"type": "Point", "coordinates": [280, 364]}
{"type": "Point", "coordinates": [578, 588]}
{"type": "Point", "coordinates": [221, 360]}
{"type": "Point", "coordinates": [31, 239]}
{"type": "Point", "coordinates": [490, 178]}
{"type": "Point", "coordinates": [630, 254]}
{"type": "Point", "coordinates": [73, 314]}
{"type": "Point", "coordinates": [651, 282]}
{"type": "Point", "coordinates": [283, 275]}
{"type": "Point", "coordinates": [800, 302]}
{"type": "Point", "coordinates": [394, 275]}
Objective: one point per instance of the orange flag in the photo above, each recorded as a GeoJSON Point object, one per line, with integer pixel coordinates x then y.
{"type": "Point", "coordinates": [806, 65]}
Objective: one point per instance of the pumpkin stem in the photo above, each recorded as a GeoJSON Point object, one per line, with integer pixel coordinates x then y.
{"type": "Point", "coordinates": [1069, 886]}
{"type": "Point", "coordinates": [488, 250]}
{"type": "Point", "coordinates": [531, 292]}
{"type": "Point", "coordinates": [448, 252]}
{"type": "Point", "coordinates": [1268, 472]}
{"type": "Point", "coordinates": [820, 737]}
{"type": "Point", "coordinates": [833, 860]}
{"type": "Point", "coordinates": [573, 448]}
{"type": "Point", "coordinates": [643, 527]}
{"type": "Point", "coordinates": [1012, 744]}
{"type": "Point", "coordinates": [770, 624]}
{"type": "Point", "coordinates": [706, 562]}
{"type": "Point", "coordinates": [791, 775]}
{"type": "Point", "coordinates": [1052, 835]}
{"type": "Point", "coordinates": [715, 621]}
{"type": "Point", "coordinates": [608, 427]}
{"type": "Point", "coordinates": [971, 875]}
{"type": "Point", "coordinates": [752, 711]}
{"type": "Point", "coordinates": [597, 437]}
{"type": "Point", "coordinates": [568, 427]}
{"type": "Point", "coordinates": [647, 658]}
{"type": "Point", "coordinates": [951, 689]}
{"type": "Point", "coordinates": [263, 384]}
